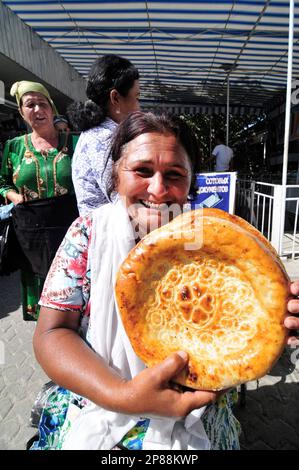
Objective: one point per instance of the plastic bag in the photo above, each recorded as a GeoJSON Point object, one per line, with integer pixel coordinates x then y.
{"type": "Point", "coordinates": [40, 403]}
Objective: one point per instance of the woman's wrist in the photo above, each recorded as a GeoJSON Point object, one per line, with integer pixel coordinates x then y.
{"type": "Point", "coordinates": [115, 395]}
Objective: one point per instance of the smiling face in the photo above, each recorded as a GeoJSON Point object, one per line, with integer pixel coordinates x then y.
{"type": "Point", "coordinates": [153, 174]}
{"type": "Point", "coordinates": [36, 110]}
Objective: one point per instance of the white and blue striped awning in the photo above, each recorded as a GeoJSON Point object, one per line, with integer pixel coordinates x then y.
{"type": "Point", "coordinates": [183, 49]}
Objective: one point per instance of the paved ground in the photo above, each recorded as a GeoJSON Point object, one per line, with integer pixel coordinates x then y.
{"type": "Point", "coordinates": [21, 378]}
{"type": "Point", "coordinates": [270, 417]}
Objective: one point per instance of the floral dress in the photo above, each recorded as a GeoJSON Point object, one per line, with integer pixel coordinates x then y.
{"type": "Point", "coordinates": [36, 175]}
{"type": "Point", "coordinates": [67, 288]}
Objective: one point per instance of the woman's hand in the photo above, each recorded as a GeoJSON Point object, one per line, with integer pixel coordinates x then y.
{"type": "Point", "coordinates": [292, 321]}
{"type": "Point", "coordinates": [15, 197]}
{"type": "Point", "coordinates": [71, 363]}
{"type": "Point", "coordinates": [151, 393]}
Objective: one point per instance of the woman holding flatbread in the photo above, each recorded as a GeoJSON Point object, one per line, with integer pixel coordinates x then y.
{"type": "Point", "coordinates": [80, 340]}
{"type": "Point", "coordinates": [36, 170]}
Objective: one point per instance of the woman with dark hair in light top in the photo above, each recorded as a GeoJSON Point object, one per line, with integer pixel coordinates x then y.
{"type": "Point", "coordinates": [113, 92]}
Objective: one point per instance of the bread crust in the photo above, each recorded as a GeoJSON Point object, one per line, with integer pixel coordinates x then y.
{"type": "Point", "coordinates": [223, 302]}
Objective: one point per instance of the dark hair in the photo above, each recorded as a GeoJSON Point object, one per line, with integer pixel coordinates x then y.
{"type": "Point", "coordinates": [107, 73]}
{"type": "Point", "coordinates": [60, 118]}
{"type": "Point", "coordinates": [138, 123]}
{"type": "Point", "coordinates": [220, 136]}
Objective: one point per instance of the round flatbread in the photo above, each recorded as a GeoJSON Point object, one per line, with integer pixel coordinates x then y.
{"type": "Point", "coordinates": [210, 284]}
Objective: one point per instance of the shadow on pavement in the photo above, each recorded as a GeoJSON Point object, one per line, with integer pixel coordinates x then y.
{"type": "Point", "coordinates": [270, 417]}
{"type": "Point", "coordinates": [10, 294]}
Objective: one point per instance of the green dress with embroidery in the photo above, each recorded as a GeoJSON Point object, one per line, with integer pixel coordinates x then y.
{"type": "Point", "coordinates": [36, 175]}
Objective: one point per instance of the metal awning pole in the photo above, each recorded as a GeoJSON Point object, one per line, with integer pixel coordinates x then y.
{"type": "Point", "coordinates": [210, 143]}
{"type": "Point", "coordinates": [227, 110]}
{"type": "Point", "coordinates": [287, 121]}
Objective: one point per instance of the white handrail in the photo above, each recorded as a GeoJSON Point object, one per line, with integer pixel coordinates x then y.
{"type": "Point", "coordinates": [262, 208]}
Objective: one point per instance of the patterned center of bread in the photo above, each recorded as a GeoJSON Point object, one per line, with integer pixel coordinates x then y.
{"type": "Point", "coordinates": [202, 295]}
{"type": "Point", "coordinates": [222, 302]}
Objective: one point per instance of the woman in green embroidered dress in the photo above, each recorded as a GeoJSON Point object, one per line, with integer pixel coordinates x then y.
{"type": "Point", "coordinates": [35, 166]}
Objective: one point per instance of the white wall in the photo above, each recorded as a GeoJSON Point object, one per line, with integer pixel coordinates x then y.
{"type": "Point", "coordinates": [22, 45]}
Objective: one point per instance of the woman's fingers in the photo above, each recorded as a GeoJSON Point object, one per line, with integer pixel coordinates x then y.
{"type": "Point", "coordinates": [294, 287]}
{"type": "Point", "coordinates": [293, 306]}
{"type": "Point", "coordinates": [293, 341]}
{"type": "Point", "coordinates": [292, 320]}
{"type": "Point", "coordinates": [153, 394]}
{"type": "Point", "coordinates": [197, 399]}
{"type": "Point", "coordinates": [183, 402]}
{"type": "Point", "coordinates": [292, 323]}
{"type": "Point", "coordinates": [170, 367]}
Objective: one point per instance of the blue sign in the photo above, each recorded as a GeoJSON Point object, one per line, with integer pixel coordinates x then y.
{"type": "Point", "coordinates": [215, 190]}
